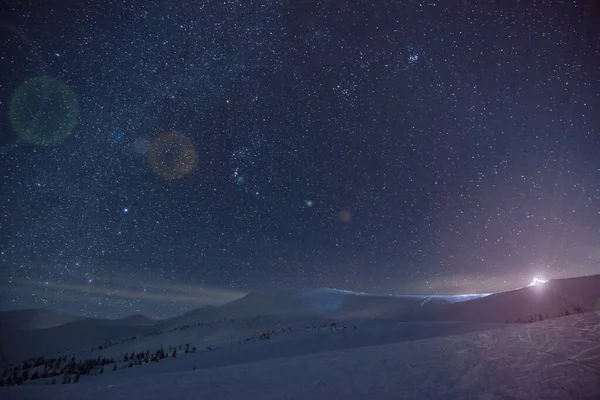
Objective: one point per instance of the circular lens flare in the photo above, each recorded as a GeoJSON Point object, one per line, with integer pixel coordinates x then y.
{"type": "Point", "coordinates": [43, 111]}
{"type": "Point", "coordinates": [172, 155]}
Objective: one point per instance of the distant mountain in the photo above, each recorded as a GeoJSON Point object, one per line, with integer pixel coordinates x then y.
{"type": "Point", "coordinates": [137, 320]}
{"type": "Point", "coordinates": [30, 319]}
{"type": "Point", "coordinates": [333, 303]}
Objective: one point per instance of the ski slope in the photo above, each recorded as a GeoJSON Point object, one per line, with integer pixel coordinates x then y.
{"type": "Point", "coordinates": [553, 359]}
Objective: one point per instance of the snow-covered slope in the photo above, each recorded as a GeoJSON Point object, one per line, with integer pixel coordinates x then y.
{"type": "Point", "coordinates": [247, 317]}
{"type": "Point", "coordinates": [555, 298]}
{"type": "Point", "coordinates": [555, 359]}
{"type": "Point", "coordinates": [83, 333]}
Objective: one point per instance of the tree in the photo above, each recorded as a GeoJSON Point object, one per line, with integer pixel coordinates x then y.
{"type": "Point", "coordinates": [76, 379]}
{"type": "Point", "coordinates": [115, 367]}
{"type": "Point", "coordinates": [174, 353]}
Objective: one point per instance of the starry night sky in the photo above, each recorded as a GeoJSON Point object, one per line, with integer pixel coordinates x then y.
{"type": "Point", "coordinates": [221, 147]}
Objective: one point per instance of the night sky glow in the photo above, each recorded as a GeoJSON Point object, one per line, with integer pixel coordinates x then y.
{"type": "Point", "coordinates": [159, 156]}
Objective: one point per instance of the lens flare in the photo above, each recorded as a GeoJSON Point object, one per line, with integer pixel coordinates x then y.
{"type": "Point", "coordinates": [172, 155]}
{"type": "Point", "coordinates": [345, 216]}
{"type": "Point", "coordinates": [43, 111]}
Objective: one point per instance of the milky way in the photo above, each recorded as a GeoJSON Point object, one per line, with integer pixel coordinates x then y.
{"type": "Point", "coordinates": [232, 146]}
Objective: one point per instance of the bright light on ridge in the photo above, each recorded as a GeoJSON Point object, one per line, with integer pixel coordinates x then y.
{"type": "Point", "coordinates": [538, 281]}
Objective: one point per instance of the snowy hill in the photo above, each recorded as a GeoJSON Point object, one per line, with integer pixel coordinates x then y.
{"type": "Point", "coordinates": [261, 329]}
{"type": "Point", "coordinates": [211, 326]}
{"type": "Point", "coordinates": [82, 333]}
{"type": "Point", "coordinates": [552, 299]}
{"type": "Point", "coordinates": [554, 359]}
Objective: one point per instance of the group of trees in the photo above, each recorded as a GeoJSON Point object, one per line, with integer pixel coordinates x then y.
{"type": "Point", "coordinates": [65, 367]}
{"type": "Point", "coordinates": [109, 343]}
{"type": "Point", "coordinates": [155, 356]}
{"type": "Point", "coordinates": [183, 327]}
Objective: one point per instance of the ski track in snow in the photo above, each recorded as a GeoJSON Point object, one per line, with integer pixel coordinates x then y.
{"type": "Point", "coordinates": [556, 359]}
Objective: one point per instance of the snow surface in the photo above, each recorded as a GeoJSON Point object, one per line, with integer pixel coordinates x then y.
{"type": "Point", "coordinates": [332, 343]}
{"type": "Point", "coordinates": [553, 359]}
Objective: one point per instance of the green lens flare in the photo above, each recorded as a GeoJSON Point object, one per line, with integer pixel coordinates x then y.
{"type": "Point", "coordinates": [43, 111]}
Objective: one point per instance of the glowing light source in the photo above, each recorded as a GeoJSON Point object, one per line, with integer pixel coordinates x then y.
{"type": "Point", "coordinates": [538, 281]}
